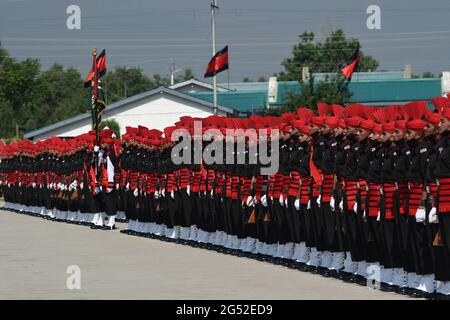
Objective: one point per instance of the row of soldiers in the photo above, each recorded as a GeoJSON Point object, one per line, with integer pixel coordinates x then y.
{"type": "Point", "coordinates": [359, 192]}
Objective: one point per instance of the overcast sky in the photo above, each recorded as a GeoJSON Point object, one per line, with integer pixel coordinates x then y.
{"type": "Point", "coordinates": [260, 33]}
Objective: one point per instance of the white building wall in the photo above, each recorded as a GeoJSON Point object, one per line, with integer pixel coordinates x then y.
{"type": "Point", "coordinates": [156, 112]}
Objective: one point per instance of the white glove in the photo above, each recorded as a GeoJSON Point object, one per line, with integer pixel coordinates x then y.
{"type": "Point", "coordinates": [433, 217]}
{"type": "Point", "coordinates": [308, 207]}
{"type": "Point", "coordinates": [188, 190]}
{"type": "Point", "coordinates": [136, 192]}
{"type": "Point", "coordinates": [34, 185]}
{"type": "Point", "coordinates": [20, 184]}
{"type": "Point", "coordinates": [117, 186]}
{"type": "Point", "coordinates": [172, 194]}
{"type": "Point", "coordinates": [58, 186]}
{"type": "Point", "coordinates": [379, 216]}
{"type": "Point", "coordinates": [81, 185]}
{"type": "Point", "coordinates": [355, 207]}
{"type": "Point", "coordinates": [249, 201]}
{"type": "Point", "coordinates": [341, 205]}
{"type": "Point", "coordinates": [264, 201]}
{"type": "Point", "coordinates": [163, 192]}
{"type": "Point", "coordinates": [286, 203]}
{"type": "Point", "coordinates": [332, 202]}
{"type": "Point", "coordinates": [156, 194]}
{"type": "Point", "coordinates": [109, 190]}
{"type": "Point", "coordinates": [96, 148]}
{"type": "Point", "coordinates": [319, 200]}
{"type": "Point", "coordinates": [297, 204]}
{"type": "Point", "coordinates": [281, 200]}
{"type": "Point", "coordinates": [212, 193]}
{"type": "Point", "coordinates": [127, 187]}
{"type": "Point", "coordinates": [420, 215]}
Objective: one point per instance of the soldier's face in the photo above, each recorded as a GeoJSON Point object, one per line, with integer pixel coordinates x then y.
{"type": "Point", "coordinates": [314, 129]}
{"type": "Point", "coordinates": [398, 135]}
{"type": "Point", "coordinates": [429, 130]}
{"type": "Point", "coordinates": [411, 134]}
{"type": "Point", "coordinates": [326, 129]}
{"type": "Point", "coordinates": [445, 124]}
{"type": "Point", "coordinates": [350, 130]}
{"type": "Point", "coordinates": [385, 136]}
{"type": "Point", "coordinates": [362, 134]}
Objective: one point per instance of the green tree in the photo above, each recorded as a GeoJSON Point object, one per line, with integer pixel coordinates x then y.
{"type": "Point", "coordinates": [325, 56]}
{"type": "Point", "coordinates": [187, 75]}
{"type": "Point", "coordinates": [111, 124]}
{"type": "Point", "coordinates": [20, 87]}
{"type": "Point", "coordinates": [3, 53]}
{"type": "Point", "coordinates": [321, 57]}
{"type": "Point", "coordinates": [124, 82]}
{"type": "Point", "coordinates": [62, 97]}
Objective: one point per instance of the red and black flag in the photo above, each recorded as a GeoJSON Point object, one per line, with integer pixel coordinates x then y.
{"type": "Point", "coordinates": [218, 63]}
{"type": "Point", "coordinates": [101, 69]}
{"type": "Point", "coordinates": [350, 66]}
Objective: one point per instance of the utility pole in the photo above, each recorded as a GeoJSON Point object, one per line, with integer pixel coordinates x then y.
{"type": "Point", "coordinates": [173, 69]}
{"type": "Point", "coordinates": [213, 31]}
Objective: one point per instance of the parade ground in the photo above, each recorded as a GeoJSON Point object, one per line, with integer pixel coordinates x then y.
{"type": "Point", "coordinates": [35, 255]}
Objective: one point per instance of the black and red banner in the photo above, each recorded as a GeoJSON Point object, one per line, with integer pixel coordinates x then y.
{"type": "Point", "coordinates": [101, 69]}
{"type": "Point", "coordinates": [218, 63]}
{"type": "Point", "coordinates": [349, 67]}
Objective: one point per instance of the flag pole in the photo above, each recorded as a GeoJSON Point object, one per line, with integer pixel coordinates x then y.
{"type": "Point", "coordinates": [213, 31]}
{"type": "Point", "coordinates": [95, 95]}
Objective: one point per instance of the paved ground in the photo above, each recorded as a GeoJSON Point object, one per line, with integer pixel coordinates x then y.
{"type": "Point", "coordinates": [35, 254]}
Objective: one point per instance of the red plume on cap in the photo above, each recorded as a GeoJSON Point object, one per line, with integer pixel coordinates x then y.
{"type": "Point", "coordinates": [338, 110]}
{"type": "Point", "coordinates": [416, 109]}
{"type": "Point", "coordinates": [367, 124]}
{"type": "Point", "coordinates": [332, 122]}
{"type": "Point", "coordinates": [305, 113]}
{"type": "Point", "coordinates": [446, 113]}
{"type": "Point", "coordinates": [317, 120]}
{"type": "Point", "coordinates": [142, 131]}
{"type": "Point", "coordinates": [380, 115]}
{"type": "Point", "coordinates": [440, 103]}
{"type": "Point", "coordinates": [155, 133]}
{"type": "Point", "coordinates": [367, 111]}
{"type": "Point", "coordinates": [391, 113]}
{"type": "Point", "coordinates": [400, 124]}
{"type": "Point", "coordinates": [342, 124]}
{"type": "Point", "coordinates": [389, 127]}
{"type": "Point", "coordinates": [416, 124]}
{"type": "Point", "coordinates": [433, 117]}
{"type": "Point", "coordinates": [323, 109]}
{"type": "Point", "coordinates": [287, 118]}
{"type": "Point", "coordinates": [353, 110]}
{"type": "Point", "coordinates": [402, 112]}
{"type": "Point", "coordinates": [353, 121]}
{"type": "Point", "coordinates": [299, 123]}
{"type": "Point", "coordinates": [168, 132]}
{"type": "Point", "coordinates": [377, 128]}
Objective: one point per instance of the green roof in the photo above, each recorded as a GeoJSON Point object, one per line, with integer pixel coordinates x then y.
{"type": "Point", "coordinates": [374, 92]}
{"type": "Point", "coordinates": [242, 101]}
{"type": "Point", "coordinates": [395, 90]}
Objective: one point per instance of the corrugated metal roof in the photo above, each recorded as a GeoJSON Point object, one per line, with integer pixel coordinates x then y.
{"type": "Point", "coordinates": [376, 92]}
{"type": "Point", "coordinates": [121, 103]}
{"type": "Point", "coordinates": [241, 101]}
